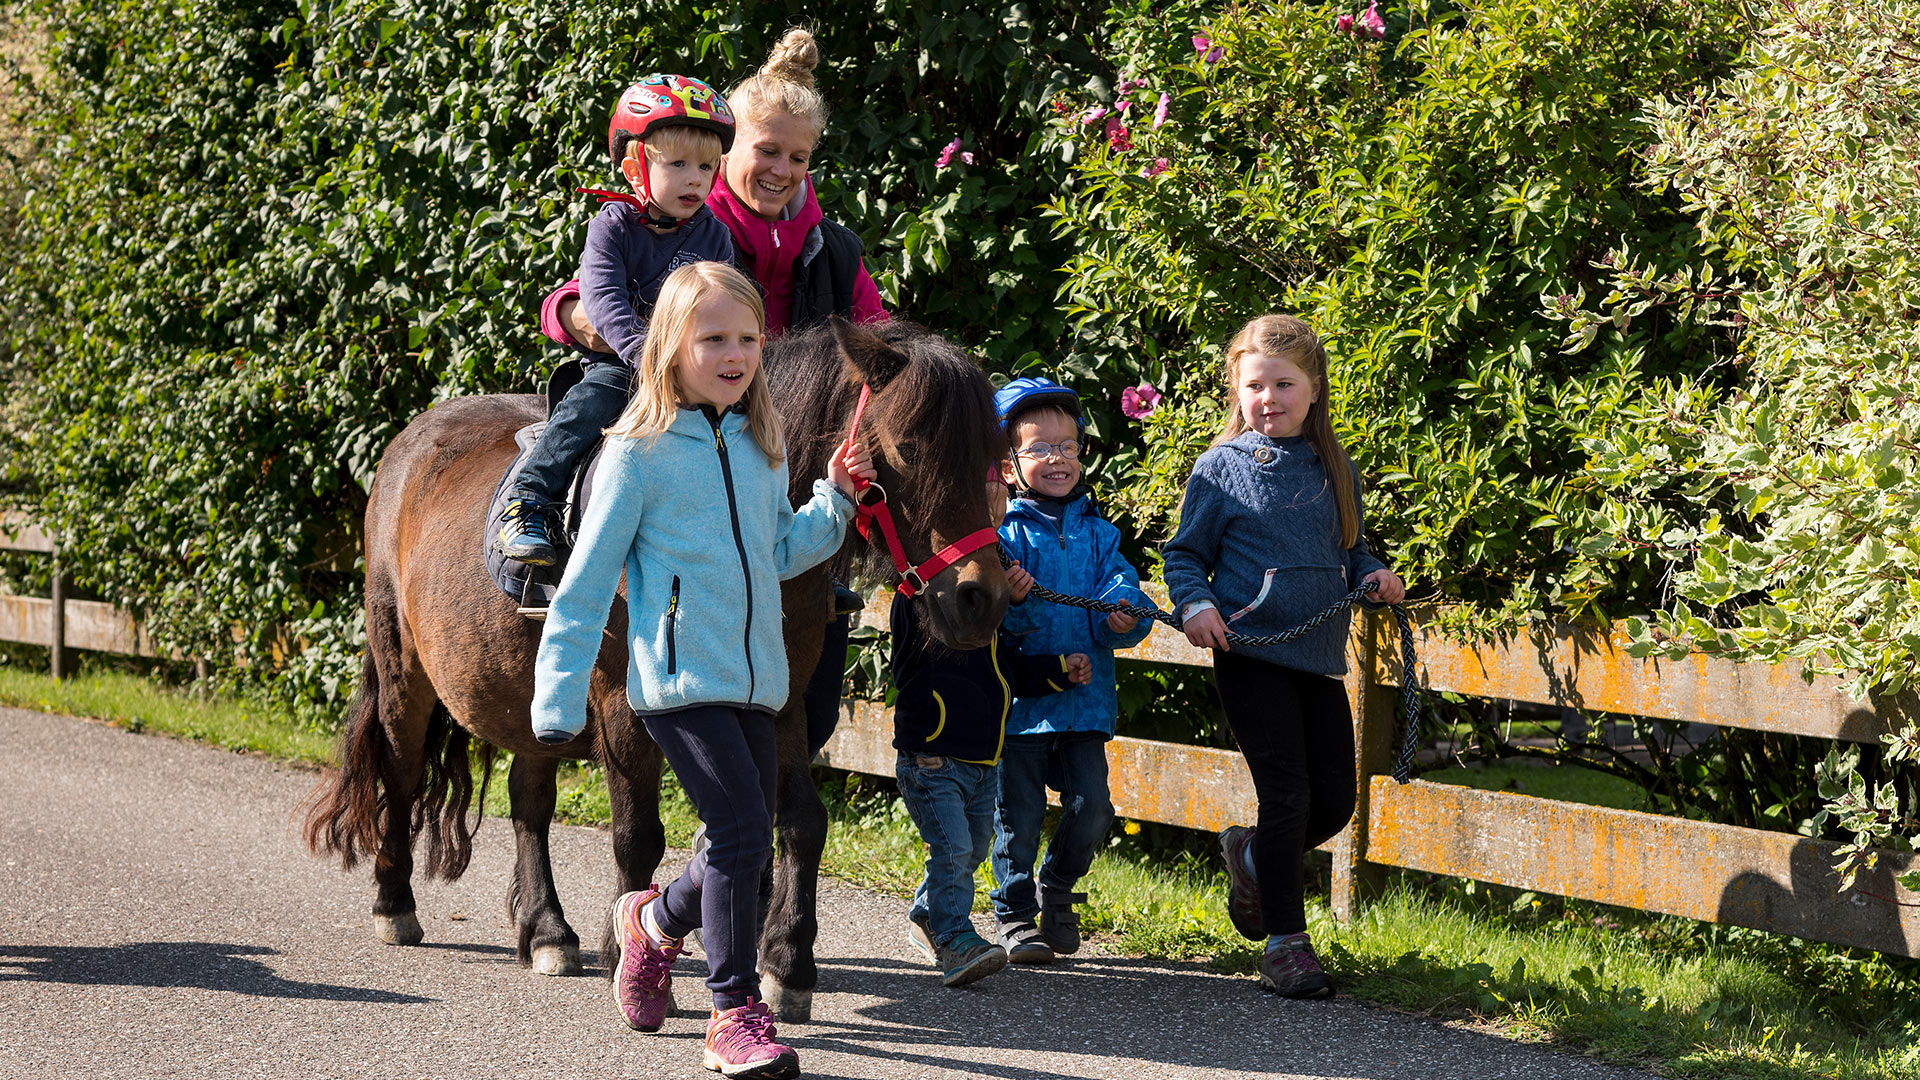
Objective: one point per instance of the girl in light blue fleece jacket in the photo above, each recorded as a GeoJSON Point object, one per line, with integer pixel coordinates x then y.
{"type": "Point", "coordinates": [1270, 534]}
{"type": "Point", "coordinates": [690, 501]}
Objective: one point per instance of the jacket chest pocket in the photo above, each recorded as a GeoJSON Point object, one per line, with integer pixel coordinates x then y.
{"type": "Point", "coordinates": [673, 623]}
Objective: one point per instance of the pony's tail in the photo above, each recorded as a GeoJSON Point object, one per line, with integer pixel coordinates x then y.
{"type": "Point", "coordinates": [347, 812]}
{"type": "Point", "coordinates": [446, 791]}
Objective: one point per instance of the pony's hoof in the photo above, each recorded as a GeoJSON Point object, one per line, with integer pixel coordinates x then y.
{"type": "Point", "coordinates": [790, 1005]}
{"type": "Point", "coordinates": [401, 929]}
{"type": "Point", "coordinates": [556, 960]}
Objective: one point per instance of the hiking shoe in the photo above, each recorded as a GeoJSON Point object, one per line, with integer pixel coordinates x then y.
{"type": "Point", "coordinates": [968, 958]}
{"type": "Point", "coordinates": [740, 1043]}
{"type": "Point", "coordinates": [643, 976]}
{"type": "Point", "coordinates": [1023, 942]}
{"type": "Point", "coordinates": [1243, 889]}
{"type": "Point", "coordinates": [1290, 969]}
{"type": "Point", "coordinates": [523, 534]}
{"type": "Point", "coordinates": [920, 936]}
{"type": "Point", "coordinates": [1059, 923]}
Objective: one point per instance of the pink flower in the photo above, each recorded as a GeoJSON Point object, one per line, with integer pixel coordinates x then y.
{"type": "Point", "coordinates": [1128, 84]}
{"type": "Point", "coordinates": [1122, 105]}
{"type": "Point", "coordinates": [1093, 114]}
{"type": "Point", "coordinates": [967, 157]}
{"type": "Point", "coordinates": [1160, 111]}
{"type": "Point", "coordinates": [1139, 402]}
{"type": "Point", "coordinates": [1344, 24]}
{"type": "Point", "coordinates": [1159, 166]}
{"type": "Point", "coordinates": [1208, 51]}
{"type": "Point", "coordinates": [1372, 23]}
{"type": "Point", "coordinates": [1117, 134]}
{"type": "Point", "coordinates": [946, 154]}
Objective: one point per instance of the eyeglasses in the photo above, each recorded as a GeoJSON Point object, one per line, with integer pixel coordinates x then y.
{"type": "Point", "coordinates": [1068, 451]}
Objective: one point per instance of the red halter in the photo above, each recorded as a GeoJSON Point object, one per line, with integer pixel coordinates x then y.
{"type": "Point", "coordinates": [871, 506]}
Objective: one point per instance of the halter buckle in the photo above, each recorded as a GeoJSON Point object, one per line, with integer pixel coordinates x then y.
{"type": "Point", "coordinates": [910, 578]}
{"type": "Point", "coordinates": [871, 495]}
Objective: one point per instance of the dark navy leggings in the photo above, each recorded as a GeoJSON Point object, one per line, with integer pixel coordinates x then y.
{"type": "Point", "coordinates": [1296, 732]}
{"type": "Point", "coordinates": [724, 757]}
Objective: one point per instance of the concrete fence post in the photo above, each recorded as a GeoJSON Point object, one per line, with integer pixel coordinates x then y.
{"type": "Point", "coordinates": [1354, 878]}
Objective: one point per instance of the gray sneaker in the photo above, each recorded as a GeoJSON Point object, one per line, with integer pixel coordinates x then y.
{"type": "Point", "coordinates": [1059, 923]}
{"type": "Point", "coordinates": [1290, 969]}
{"type": "Point", "coordinates": [968, 958]}
{"type": "Point", "coordinates": [1023, 942]}
{"type": "Point", "coordinates": [921, 938]}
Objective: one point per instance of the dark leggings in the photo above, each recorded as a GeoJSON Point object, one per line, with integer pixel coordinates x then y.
{"type": "Point", "coordinates": [1297, 735]}
{"type": "Point", "coordinates": [724, 758]}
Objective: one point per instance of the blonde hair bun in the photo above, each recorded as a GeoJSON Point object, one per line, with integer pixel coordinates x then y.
{"type": "Point", "coordinates": [793, 59]}
{"type": "Point", "coordinates": [784, 85]}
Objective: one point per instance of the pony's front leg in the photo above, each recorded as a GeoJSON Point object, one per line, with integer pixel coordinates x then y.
{"type": "Point", "coordinates": [546, 941]}
{"type": "Point", "coordinates": [788, 974]}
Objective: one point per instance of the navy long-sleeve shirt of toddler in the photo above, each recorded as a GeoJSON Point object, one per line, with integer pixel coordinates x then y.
{"type": "Point", "coordinates": [954, 702]}
{"type": "Point", "coordinates": [624, 264]}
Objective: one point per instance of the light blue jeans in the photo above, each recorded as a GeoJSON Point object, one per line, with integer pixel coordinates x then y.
{"type": "Point", "coordinates": [1073, 763]}
{"type": "Point", "coordinates": [952, 803]}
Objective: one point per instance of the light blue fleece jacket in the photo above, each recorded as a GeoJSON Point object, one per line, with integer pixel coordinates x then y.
{"type": "Point", "coordinates": [702, 527]}
{"type": "Point", "coordinates": [1259, 539]}
{"type": "Point", "coordinates": [1078, 555]}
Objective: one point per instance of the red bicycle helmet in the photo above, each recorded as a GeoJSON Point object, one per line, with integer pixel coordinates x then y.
{"type": "Point", "coordinates": [661, 100]}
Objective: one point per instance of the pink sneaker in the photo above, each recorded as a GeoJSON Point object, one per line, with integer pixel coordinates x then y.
{"type": "Point", "coordinates": [740, 1043]}
{"type": "Point", "coordinates": [643, 978]}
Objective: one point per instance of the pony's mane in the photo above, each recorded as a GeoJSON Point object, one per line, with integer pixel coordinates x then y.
{"type": "Point", "coordinates": [940, 405]}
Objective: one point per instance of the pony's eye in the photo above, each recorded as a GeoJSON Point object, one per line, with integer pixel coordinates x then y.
{"type": "Point", "coordinates": [909, 454]}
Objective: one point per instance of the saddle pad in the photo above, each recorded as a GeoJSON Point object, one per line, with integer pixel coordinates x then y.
{"type": "Point", "coordinates": [533, 586]}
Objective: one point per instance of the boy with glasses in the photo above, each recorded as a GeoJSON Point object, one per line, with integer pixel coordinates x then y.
{"type": "Point", "coordinates": [1055, 534]}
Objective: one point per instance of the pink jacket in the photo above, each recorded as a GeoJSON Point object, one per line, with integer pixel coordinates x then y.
{"type": "Point", "coordinates": [770, 249]}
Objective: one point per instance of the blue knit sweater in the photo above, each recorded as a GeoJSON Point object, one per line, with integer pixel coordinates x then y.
{"type": "Point", "coordinates": [1259, 537]}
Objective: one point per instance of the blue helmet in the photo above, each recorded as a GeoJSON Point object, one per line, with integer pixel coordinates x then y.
{"type": "Point", "coordinates": [1022, 394]}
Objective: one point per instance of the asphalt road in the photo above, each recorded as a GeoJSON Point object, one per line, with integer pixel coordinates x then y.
{"type": "Point", "coordinates": [158, 918]}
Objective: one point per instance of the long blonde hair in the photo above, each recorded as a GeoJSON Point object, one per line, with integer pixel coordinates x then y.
{"type": "Point", "coordinates": [656, 390]}
{"type": "Point", "coordinates": [784, 85]}
{"type": "Point", "coordinates": [1286, 336]}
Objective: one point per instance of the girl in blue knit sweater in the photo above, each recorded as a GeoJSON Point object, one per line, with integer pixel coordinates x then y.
{"type": "Point", "coordinates": [690, 504]}
{"type": "Point", "coordinates": [1270, 534]}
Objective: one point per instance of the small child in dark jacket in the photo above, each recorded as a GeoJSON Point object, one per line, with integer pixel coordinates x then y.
{"type": "Point", "coordinates": [950, 720]}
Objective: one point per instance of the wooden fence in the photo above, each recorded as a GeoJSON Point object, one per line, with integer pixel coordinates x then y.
{"type": "Point", "coordinates": [1715, 873]}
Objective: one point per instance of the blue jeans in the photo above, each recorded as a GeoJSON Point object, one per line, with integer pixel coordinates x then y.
{"type": "Point", "coordinates": [952, 803]}
{"type": "Point", "coordinates": [1073, 763]}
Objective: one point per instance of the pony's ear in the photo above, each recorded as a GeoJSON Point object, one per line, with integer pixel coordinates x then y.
{"type": "Point", "coordinates": [875, 360]}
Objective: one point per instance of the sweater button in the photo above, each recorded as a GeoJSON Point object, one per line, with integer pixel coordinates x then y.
{"type": "Point", "coordinates": [1263, 455]}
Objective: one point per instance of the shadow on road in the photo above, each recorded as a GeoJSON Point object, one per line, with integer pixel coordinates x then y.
{"type": "Point", "coordinates": [1104, 1008]}
{"type": "Point", "coordinates": [203, 964]}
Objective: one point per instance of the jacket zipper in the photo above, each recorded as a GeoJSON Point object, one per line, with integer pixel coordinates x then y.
{"type": "Point", "coordinates": [740, 545]}
{"type": "Point", "coordinates": [673, 622]}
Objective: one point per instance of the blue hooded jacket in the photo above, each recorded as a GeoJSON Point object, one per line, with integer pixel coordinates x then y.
{"type": "Point", "coordinates": [1080, 556]}
{"type": "Point", "coordinates": [704, 532]}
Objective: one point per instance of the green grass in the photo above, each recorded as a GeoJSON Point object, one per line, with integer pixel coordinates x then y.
{"type": "Point", "coordinates": [1567, 782]}
{"type": "Point", "coordinates": [1685, 998]}
{"type": "Point", "coordinates": [139, 704]}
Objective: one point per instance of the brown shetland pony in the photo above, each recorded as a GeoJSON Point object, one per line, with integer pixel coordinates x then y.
{"type": "Point", "coordinates": [448, 657]}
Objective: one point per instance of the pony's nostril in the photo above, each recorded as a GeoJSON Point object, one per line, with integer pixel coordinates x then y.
{"type": "Point", "coordinates": [974, 600]}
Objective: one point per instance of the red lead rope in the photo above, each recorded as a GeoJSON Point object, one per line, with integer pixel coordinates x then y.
{"type": "Point", "coordinates": [871, 506]}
